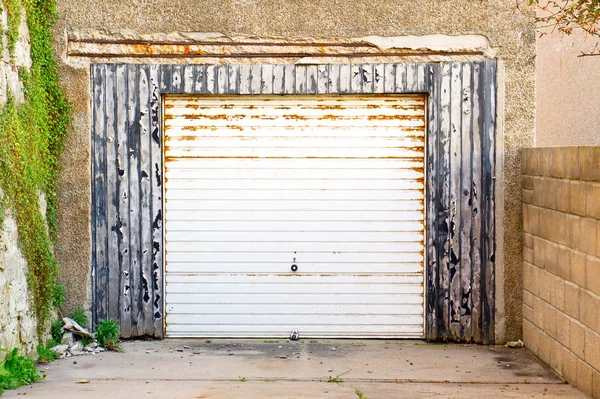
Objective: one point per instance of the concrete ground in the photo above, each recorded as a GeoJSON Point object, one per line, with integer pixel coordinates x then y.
{"type": "Point", "coordinates": [186, 368]}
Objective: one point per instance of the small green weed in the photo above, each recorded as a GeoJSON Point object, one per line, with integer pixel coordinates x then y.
{"type": "Point", "coordinates": [45, 355]}
{"type": "Point", "coordinates": [208, 341]}
{"type": "Point", "coordinates": [55, 330]}
{"type": "Point", "coordinates": [58, 295]}
{"type": "Point", "coordinates": [17, 371]}
{"type": "Point", "coordinates": [337, 379]}
{"type": "Point", "coordinates": [266, 380]}
{"type": "Point", "coordinates": [271, 341]}
{"type": "Point", "coordinates": [108, 333]}
{"type": "Point", "coordinates": [242, 379]}
{"type": "Point", "coordinates": [80, 317]}
{"type": "Point", "coordinates": [85, 341]}
{"type": "Point", "coordinates": [313, 341]}
{"type": "Point", "coordinates": [359, 394]}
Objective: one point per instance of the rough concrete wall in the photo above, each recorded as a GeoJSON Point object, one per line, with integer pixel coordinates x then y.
{"type": "Point", "coordinates": [568, 91]}
{"type": "Point", "coordinates": [17, 320]}
{"type": "Point", "coordinates": [499, 20]}
{"type": "Point", "coordinates": [561, 257]}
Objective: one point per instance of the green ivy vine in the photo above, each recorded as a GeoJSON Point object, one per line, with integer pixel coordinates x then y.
{"type": "Point", "coordinates": [32, 139]}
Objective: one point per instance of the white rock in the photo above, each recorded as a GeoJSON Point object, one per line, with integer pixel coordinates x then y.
{"type": "Point", "coordinates": [71, 325]}
{"type": "Point", "coordinates": [77, 347]}
{"type": "Point", "coordinates": [67, 338]}
{"type": "Point", "coordinates": [60, 349]}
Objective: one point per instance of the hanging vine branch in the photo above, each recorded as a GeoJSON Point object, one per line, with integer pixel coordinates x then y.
{"type": "Point", "coordinates": [567, 17]}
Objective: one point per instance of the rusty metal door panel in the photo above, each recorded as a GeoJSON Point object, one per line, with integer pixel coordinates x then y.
{"type": "Point", "coordinates": [333, 185]}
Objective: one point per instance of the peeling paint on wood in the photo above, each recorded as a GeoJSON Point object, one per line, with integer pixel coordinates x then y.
{"type": "Point", "coordinates": [127, 171]}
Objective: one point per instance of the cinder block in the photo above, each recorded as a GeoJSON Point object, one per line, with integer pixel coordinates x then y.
{"type": "Point", "coordinates": [527, 182]}
{"type": "Point", "coordinates": [545, 346]}
{"type": "Point", "coordinates": [563, 330]}
{"type": "Point", "coordinates": [527, 312]}
{"type": "Point", "coordinates": [569, 367]}
{"type": "Point", "coordinates": [595, 384]}
{"type": "Point", "coordinates": [577, 197]}
{"type": "Point", "coordinates": [551, 195]}
{"type": "Point", "coordinates": [558, 162]}
{"type": "Point", "coordinates": [528, 255]}
{"type": "Point", "coordinates": [546, 227]}
{"type": "Point", "coordinates": [589, 160]}
{"type": "Point", "coordinates": [572, 162]}
{"type": "Point", "coordinates": [563, 195]}
{"type": "Point", "coordinates": [584, 377]}
{"type": "Point", "coordinates": [528, 240]}
{"type": "Point", "coordinates": [550, 320]}
{"type": "Point", "coordinates": [528, 196]}
{"type": "Point", "coordinates": [592, 274]}
{"type": "Point", "coordinates": [561, 232]}
{"type": "Point", "coordinates": [538, 313]}
{"type": "Point", "coordinates": [546, 286]}
{"type": "Point", "coordinates": [564, 263]}
{"type": "Point", "coordinates": [577, 341]}
{"type": "Point", "coordinates": [592, 349]}
{"type": "Point", "coordinates": [551, 258]}
{"type": "Point", "coordinates": [539, 191]}
{"type": "Point", "coordinates": [588, 309]}
{"type": "Point", "coordinates": [531, 278]}
{"type": "Point", "coordinates": [578, 268]}
{"type": "Point", "coordinates": [556, 357]}
{"type": "Point", "coordinates": [572, 300]}
{"type": "Point", "coordinates": [531, 161]}
{"type": "Point", "coordinates": [557, 298]}
{"type": "Point", "coordinates": [530, 336]}
{"type": "Point", "coordinates": [530, 219]}
{"type": "Point", "coordinates": [546, 161]}
{"type": "Point", "coordinates": [527, 298]}
{"type": "Point", "coordinates": [539, 251]}
{"type": "Point", "coordinates": [592, 200]}
{"type": "Point", "coordinates": [588, 236]}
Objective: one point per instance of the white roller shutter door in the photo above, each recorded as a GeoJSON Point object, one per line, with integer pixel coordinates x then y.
{"type": "Point", "coordinates": [333, 185]}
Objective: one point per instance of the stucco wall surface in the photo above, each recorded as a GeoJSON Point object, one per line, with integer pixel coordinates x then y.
{"type": "Point", "coordinates": [508, 31]}
{"type": "Point", "coordinates": [568, 91]}
{"type": "Point", "coordinates": [561, 257]}
{"type": "Point", "coordinates": [17, 320]}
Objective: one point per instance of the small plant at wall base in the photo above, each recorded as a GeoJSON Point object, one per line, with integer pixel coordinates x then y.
{"type": "Point", "coordinates": [107, 334]}
{"type": "Point", "coordinates": [17, 371]}
{"type": "Point", "coordinates": [32, 139]}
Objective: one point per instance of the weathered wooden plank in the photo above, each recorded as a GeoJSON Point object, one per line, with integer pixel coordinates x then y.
{"type": "Point", "coordinates": [234, 79]}
{"type": "Point", "coordinates": [322, 79]}
{"type": "Point", "coordinates": [345, 79]}
{"type": "Point", "coordinates": [356, 79]}
{"type": "Point", "coordinates": [122, 228]}
{"type": "Point", "coordinates": [476, 182]}
{"type": "Point", "coordinates": [211, 79]}
{"type": "Point", "coordinates": [278, 79]}
{"type": "Point", "coordinates": [113, 222]}
{"type": "Point", "coordinates": [256, 78]}
{"type": "Point", "coordinates": [101, 201]}
{"type": "Point", "coordinates": [166, 73]}
{"type": "Point", "coordinates": [189, 78]}
{"type": "Point", "coordinates": [267, 79]}
{"type": "Point", "coordinates": [378, 76]}
{"type": "Point", "coordinates": [221, 84]}
{"type": "Point", "coordinates": [134, 197]}
{"type": "Point", "coordinates": [146, 311]}
{"type": "Point", "coordinates": [300, 79]}
{"type": "Point", "coordinates": [334, 79]}
{"type": "Point", "coordinates": [422, 78]}
{"type": "Point", "coordinates": [156, 211]}
{"type": "Point", "coordinates": [443, 223]}
{"type": "Point", "coordinates": [177, 79]}
{"type": "Point", "coordinates": [389, 78]}
{"type": "Point", "coordinates": [411, 77]}
{"type": "Point", "coordinates": [455, 196]}
{"type": "Point", "coordinates": [489, 167]}
{"type": "Point", "coordinates": [465, 193]}
{"type": "Point", "coordinates": [311, 79]}
{"type": "Point", "coordinates": [245, 80]}
{"type": "Point", "coordinates": [289, 79]}
{"type": "Point", "coordinates": [401, 78]}
{"type": "Point", "coordinates": [433, 204]}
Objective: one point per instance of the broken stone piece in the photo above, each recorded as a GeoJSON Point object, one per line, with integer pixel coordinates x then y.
{"type": "Point", "coordinates": [515, 344]}
{"type": "Point", "coordinates": [67, 338]}
{"type": "Point", "coordinates": [77, 347]}
{"type": "Point", "coordinates": [71, 325]}
{"type": "Point", "coordinates": [93, 345]}
{"type": "Point", "coordinates": [60, 349]}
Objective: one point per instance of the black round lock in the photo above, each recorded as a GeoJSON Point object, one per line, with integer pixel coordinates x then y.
{"type": "Point", "coordinates": [294, 268]}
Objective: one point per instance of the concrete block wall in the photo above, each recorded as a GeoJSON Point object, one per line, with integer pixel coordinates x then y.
{"type": "Point", "coordinates": [561, 261]}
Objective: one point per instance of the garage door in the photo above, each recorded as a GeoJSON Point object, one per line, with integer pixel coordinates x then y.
{"type": "Point", "coordinates": [294, 212]}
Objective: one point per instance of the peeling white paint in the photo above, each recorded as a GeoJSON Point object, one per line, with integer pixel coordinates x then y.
{"type": "Point", "coordinates": [442, 43]}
